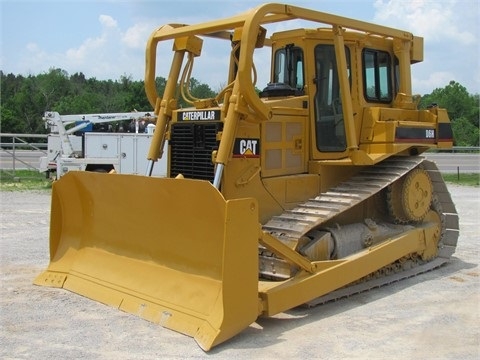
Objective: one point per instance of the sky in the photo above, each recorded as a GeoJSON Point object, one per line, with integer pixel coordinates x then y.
{"type": "Point", "coordinates": [106, 39]}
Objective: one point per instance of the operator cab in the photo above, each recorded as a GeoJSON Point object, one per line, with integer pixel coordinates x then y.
{"type": "Point", "coordinates": [305, 63]}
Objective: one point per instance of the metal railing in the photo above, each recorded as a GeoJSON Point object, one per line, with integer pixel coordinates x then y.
{"type": "Point", "coordinates": [18, 142]}
{"type": "Point", "coordinates": [14, 144]}
{"type": "Point", "coordinates": [458, 149]}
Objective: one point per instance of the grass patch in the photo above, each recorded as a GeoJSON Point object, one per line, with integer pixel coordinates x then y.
{"type": "Point", "coordinates": [23, 180]}
{"type": "Point", "coordinates": [462, 179]}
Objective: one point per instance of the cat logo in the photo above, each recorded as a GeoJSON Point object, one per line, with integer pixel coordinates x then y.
{"type": "Point", "coordinates": [246, 148]}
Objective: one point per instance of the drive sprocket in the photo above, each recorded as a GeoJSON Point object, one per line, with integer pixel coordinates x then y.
{"type": "Point", "coordinates": [409, 198]}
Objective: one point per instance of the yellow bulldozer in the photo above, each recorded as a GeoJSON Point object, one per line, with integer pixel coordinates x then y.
{"type": "Point", "coordinates": [309, 190]}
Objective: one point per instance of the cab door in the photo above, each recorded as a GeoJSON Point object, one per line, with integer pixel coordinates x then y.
{"type": "Point", "coordinates": [329, 125]}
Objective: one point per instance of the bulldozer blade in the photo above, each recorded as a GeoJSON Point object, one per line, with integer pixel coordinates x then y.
{"type": "Point", "coordinates": [172, 251]}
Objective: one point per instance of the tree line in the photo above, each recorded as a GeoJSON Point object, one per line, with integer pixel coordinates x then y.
{"type": "Point", "coordinates": [24, 99]}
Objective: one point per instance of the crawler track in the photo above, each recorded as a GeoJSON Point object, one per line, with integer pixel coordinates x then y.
{"type": "Point", "coordinates": [290, 226]}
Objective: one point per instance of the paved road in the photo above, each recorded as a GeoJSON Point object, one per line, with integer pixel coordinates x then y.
{"type": "Point", "coordinates": [447, 162]}
{"type": "Point", "coordinates": [453, 162]}
{"type": "Point", "coordinates": [24, 159]}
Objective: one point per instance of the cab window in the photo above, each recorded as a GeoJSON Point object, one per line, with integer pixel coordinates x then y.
{"type": "Point", "coordinates": [288, 67]}
{"type": "Point", "coordinates": [377, 76]}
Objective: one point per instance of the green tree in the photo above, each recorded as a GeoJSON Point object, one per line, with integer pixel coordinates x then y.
{"type": "Point", "coordinates": [27, 106]}
{"type": "Point", "coordinates": [465, 133]}
{"type": "Point", "coordinates": [134, 97]}
{"type": "Point", "coordinates": [11, 85]}
{"type": "Point", "coordinates": [197, 90]}
{"type": "Point", "coordinates": [463, 110]}
{"type": "Point", "coordinates": [9, 122]}
{"type": "Point", "coordinates": [25, 99]}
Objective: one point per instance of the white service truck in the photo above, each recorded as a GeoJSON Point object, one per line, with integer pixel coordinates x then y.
{"type": "Point", "coordinates": [99, 142]}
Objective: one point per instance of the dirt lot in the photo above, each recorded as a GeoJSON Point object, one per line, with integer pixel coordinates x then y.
{"type": "Point", "coordinates": [432, 316]}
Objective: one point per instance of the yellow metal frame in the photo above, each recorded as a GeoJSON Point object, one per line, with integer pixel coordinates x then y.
{"type": "Point", "coordinates": [322, 277]}
{"type": "Point", "coordinates": [244, 99]}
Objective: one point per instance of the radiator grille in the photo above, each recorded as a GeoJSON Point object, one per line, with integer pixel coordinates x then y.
{"type": "Point", "coordinates": [192, 144]}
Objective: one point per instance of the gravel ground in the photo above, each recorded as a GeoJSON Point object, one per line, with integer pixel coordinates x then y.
{"type": "Point", "coordinates": [432, 316]}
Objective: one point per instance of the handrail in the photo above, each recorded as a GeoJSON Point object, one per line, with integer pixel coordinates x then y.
{"type": "Point", "coordinates": [13, 147]}
{"type": "Point", "coordinates": [22, 143]}
{"type": "Point", "coordinates": [456, 149]}
{"type": "Point", "coordinates": [24, 135]}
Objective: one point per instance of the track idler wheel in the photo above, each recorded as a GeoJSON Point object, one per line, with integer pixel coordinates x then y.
{"type": "Point", "coordinates": [409, 198]}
